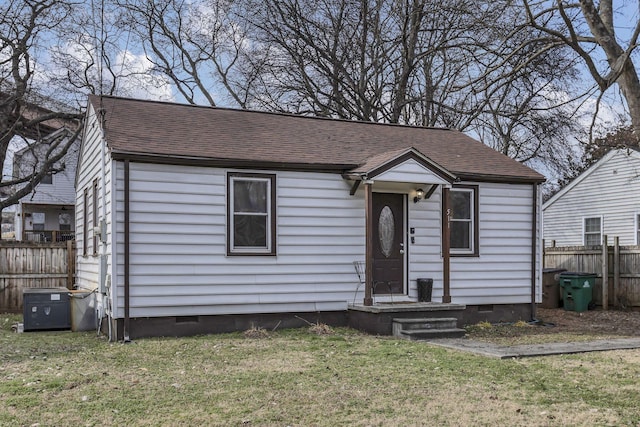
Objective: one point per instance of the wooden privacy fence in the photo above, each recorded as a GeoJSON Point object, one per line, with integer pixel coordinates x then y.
{"type": "Point", "coordinates": [620, 269]}
{"type": "Point", "coordinates": [34, 265]}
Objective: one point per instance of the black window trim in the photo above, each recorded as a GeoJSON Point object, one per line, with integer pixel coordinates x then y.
{"type": "Point", "coordinates": [271, 250]}
{"type": "Point", "coordinates": [94, 215]}
{"type": "Point", "coordinates": [85, 222]}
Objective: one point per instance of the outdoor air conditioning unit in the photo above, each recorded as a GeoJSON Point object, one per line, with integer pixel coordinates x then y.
{"type": "Point", "coordinates": [46, 308]}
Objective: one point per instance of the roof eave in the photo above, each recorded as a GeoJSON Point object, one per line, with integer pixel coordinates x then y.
{"type": "Point", "coordinates": [512, 179]}
{"type": "Point", "coordinates": [228, 163]}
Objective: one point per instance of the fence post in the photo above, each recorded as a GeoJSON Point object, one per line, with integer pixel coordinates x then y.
{"type": "Point", "coordinates": [616, 270]}
{"type": "Point", "coordinates": [605, 273]}
{"type": "Point", "coordinates": [70, 264]}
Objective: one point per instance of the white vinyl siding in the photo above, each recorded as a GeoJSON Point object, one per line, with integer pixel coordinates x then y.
{"type": "Point", "coordinates": [501, 274]}
{"type": "Point", "coordinates": [89, 169]}
{"type": "Point", "coordinates": [410, 171]}
{"type": "Point", "coordinates": [610, 190]}
{"type": "Point", "coordinates": [178, 260]}
{"type": "Point", "coordinates": [425, 254]}
{"type": "Point", "coordinates": [55, 188]}
{"type": "Point", "coordinates": [178, 255]}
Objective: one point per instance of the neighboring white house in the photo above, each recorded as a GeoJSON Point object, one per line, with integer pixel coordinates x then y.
{"type": "Point", "coordinates": [603, 200]}
{"type": "Point", "coordinates": [222, 217]}
{"type": "Point", "coordinates": [47, 213]}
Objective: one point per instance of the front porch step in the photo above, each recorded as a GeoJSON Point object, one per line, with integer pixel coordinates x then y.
{"type": "Point", "coordinates": [426, 323]}
{"type": "Point", "coordinates": [427, 328]}
{"type": "Point", "coordinates": [431, 334]}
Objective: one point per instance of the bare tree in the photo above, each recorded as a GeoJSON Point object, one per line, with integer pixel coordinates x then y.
{"type": "Point", "coordinates": [589, 29]}
{"type": "Point", "coordinates": [419, 62]}
{"type": "Point", "coordinates": [25, 112]}
{"type": "Point", "coordinates": [196, 45]}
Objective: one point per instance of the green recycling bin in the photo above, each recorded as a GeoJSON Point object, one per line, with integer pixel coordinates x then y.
{"type": "Point", "coordinates": [577, 290]}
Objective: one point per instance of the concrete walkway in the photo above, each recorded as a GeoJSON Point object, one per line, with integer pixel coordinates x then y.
{"type": "Point", "coordinates": [531, 350]}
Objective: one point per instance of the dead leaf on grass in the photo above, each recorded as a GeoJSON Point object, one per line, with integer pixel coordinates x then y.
{"type": "Point", "coordinates": [321, 329]}
{"type": "Point", "coordinates": [256, 332]}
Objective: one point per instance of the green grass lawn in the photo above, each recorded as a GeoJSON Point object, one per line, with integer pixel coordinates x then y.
{"type": "Point", "coordinates": [297, 378]}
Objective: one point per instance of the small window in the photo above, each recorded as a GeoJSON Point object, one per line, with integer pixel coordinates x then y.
{"type": "Point", "coordinates": [38, 219]}
{"type": "Point", "coordinates": [593, 231]}
{"type": "Point", "coordinates": [463, 220]}
{"type": "Point", "coordinates": [47, 179]}
{"type": "Point", "coordinates": [64, 221]}
{"type": "Point", "coordinates": [251, 218]}
{"type": "Point", "coordinates": [85, 221]}
{"type": "Point", "coordinates": [637, 229]}
{"type": "Point", "coordinates": [94, 209]}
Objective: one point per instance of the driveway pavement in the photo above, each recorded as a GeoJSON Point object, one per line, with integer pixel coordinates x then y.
{"type": "Point", "coordinates": [531, 350]}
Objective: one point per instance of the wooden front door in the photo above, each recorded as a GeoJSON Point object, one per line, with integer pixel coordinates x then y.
{"type": "Point", "coordinates": [388, 243]}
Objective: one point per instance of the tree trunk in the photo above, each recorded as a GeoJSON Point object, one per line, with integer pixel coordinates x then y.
{"type": "Point", "coordinates": [630, 87]}
{"type": "Point", "coordinates": [623, 71]}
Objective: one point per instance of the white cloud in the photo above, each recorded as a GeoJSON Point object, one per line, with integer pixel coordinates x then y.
{"type": "Point", "coordinates": [137, 79]}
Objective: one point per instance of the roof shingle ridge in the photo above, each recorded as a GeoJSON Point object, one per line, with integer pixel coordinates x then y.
{"type": "Point", "coordinates": [273, 113]}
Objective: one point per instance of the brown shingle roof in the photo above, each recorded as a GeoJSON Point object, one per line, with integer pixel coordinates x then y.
{"type": "Point", "coordinates": [164, 130]}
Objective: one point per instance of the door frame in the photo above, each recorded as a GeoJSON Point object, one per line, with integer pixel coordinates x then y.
{"type": "Point", "coordinates": [403, 240]}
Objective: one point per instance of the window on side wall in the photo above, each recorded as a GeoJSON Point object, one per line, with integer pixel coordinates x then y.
{"type": "Point", "coordinates": [593, 231]}
{"type": "Point", "coordinates": [637, 229]}
{"type": "Point", "coordinates": [85, 220]}
{"type": "Point", "coordinates": [94, 207]}
{"type": "Point", "coordinates": [251, 214]}
{"type": "Point", "coordinates": [464, 220]}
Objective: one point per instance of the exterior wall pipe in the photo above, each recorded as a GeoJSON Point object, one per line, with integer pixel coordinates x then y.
{"type": "Point", "coordinates": [103, 224]}
{"type": "Point", "coordinates": [534, 247]}
{"type": "Point", "coordinates": [125, 331]}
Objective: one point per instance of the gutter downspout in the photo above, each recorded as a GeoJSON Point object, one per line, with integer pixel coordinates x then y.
{"type": "Point", "coordinates": [103, 222]}
{"type": "Point", "coordinates": [534, 248]}
{"type": "Point", "coordinates": [125, 330]}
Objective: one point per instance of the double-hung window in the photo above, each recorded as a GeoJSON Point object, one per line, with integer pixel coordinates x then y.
{"type": "Point", "coordinates": [251, 214]}
{"type": "Point", "coordinates": [464, 220]}
{"type": "Point", "coordinates": [94, 216]}
{"type": "Point", "coordinates": [593, 231]}
{"type": "Point", "coordinates": [38, 221]}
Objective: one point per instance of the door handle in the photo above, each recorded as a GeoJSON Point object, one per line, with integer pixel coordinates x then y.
{"type": "Point", "coordinates": [401, 248]}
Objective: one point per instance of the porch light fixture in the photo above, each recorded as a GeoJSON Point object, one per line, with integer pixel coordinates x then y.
{"type": "Point", "coordinates": [419, 195]}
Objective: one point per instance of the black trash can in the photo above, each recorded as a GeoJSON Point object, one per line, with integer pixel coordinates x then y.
{"type": "Point", "coordinates": [425, 287]}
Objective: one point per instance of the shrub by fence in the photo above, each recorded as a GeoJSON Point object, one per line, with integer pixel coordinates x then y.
{"type": "Point", "coordinates": [33, 265]}
{"type": "Point", "coordinates": [621, 264]}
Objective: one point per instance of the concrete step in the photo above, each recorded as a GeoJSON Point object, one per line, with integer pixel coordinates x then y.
{"type": "Point", "coordinates": [401, 324]}
{"type": "Point", "coordinates": [431, 334]}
